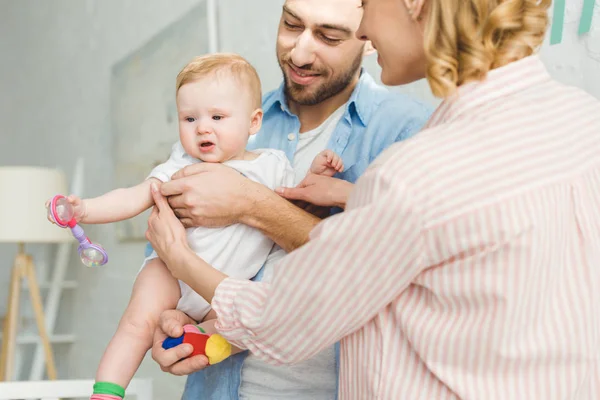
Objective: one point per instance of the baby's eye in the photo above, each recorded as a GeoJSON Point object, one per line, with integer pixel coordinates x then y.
{"type": "Point", "coordinates": [190, 119]}
{"type": "Point", "coordinates": [217, 117]}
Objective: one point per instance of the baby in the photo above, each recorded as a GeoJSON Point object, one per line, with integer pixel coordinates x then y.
{"type": "Point", "coordinates": [219, 107]}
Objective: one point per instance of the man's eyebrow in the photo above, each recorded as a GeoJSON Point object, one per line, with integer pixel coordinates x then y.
{"type": "Point", "coordinates": [335, 27]}
{"type": "Point", "coordinates": [286, 9]}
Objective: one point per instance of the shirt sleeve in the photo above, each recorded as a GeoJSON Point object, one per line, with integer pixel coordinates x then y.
{"type": "Point", "coordinates": [355, 264]}
{"type": "Point", "coordinates": [177, 160]}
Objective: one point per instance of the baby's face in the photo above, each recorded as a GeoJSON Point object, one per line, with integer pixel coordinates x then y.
{"type": "Point", "coordinates": [215, 118]}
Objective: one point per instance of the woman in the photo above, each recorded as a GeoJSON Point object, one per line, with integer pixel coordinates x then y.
{"type": "Point", "coordinates": [466, 263]}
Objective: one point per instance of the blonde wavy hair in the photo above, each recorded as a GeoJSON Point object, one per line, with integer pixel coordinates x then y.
{"type": "Point", "coordinates": [465, 39]}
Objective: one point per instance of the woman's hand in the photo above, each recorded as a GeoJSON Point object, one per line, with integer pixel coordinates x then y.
{"type": "Point", "coordinates": [173, 360]}
{"type": "Point", "coordinates": [320, 191]}
{"type": "Point", "coordinates": [167, 236]}
{"type": "Point", "coordinates": [165, 232]}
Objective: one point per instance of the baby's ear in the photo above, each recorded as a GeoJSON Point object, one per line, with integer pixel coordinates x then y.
{"type": "Point", "coordinates": [256, 121]}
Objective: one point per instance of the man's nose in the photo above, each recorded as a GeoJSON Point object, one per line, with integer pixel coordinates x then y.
{"type": "Point", "coordinates": [303, 52]}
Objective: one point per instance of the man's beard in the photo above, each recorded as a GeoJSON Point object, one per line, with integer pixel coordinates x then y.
{"type": "Point", "coordinates": [299, 93]}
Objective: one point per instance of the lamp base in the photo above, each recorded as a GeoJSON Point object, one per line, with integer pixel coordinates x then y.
{"type": "Point", "coordinates": [23, 269]}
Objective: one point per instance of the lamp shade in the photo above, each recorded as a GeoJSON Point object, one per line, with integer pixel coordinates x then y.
{"type": "Point", "coordinates": [23, 217]}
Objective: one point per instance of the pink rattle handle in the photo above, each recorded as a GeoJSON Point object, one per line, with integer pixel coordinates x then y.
{"type": "Point", "coordinates": [61, 212]}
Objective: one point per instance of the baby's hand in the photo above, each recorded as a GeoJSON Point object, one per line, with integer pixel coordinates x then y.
{"type": "Point", "coordinates": [327, 163]}
{"type": "Point", "coordinates": [79, 208]}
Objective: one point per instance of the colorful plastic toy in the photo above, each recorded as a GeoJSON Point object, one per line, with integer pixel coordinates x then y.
{"type": "Point", "coordinates": [214, 346]}
{"type": "Point", "coordinates": [61, 212]}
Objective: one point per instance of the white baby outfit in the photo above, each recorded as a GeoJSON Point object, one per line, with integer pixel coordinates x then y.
{"type": "Point", "coordinates": [237, 250]}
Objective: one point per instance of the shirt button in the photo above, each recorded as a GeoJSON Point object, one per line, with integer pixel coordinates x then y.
{"type": "Point", "coordinates": [291, 137]}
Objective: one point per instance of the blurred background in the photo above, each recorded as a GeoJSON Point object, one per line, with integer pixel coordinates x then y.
{"type": "Point", "coordinates": [93, 80]}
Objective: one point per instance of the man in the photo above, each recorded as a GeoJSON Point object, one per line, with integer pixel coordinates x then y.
{"type": "Point", "coordinates": [325, 101]}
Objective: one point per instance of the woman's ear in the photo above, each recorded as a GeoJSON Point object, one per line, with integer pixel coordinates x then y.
{"type": "Point", "coordinates": [369, 49]}
{"type": "Point", "coordinates": [415, 9]}
{"type": "Point", "coordinates": [256, 121]}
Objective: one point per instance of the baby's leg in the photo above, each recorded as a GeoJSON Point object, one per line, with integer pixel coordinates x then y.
{"type": "Point", "coordinates": [154, 291]}
{"type": "Point", "coordinates": [192, 303]}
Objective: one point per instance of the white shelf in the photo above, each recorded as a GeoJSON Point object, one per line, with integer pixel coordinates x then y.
{"type": "Point", "coordinates": [33, 339]}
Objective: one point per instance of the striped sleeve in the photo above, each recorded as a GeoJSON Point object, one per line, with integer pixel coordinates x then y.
{"type": "Point", "coordinates": [356, 263]}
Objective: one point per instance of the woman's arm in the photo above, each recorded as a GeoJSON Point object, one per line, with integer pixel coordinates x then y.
{"type": "Point", "coordinates": [355, 264]}
{"type": "Point", "coordinates": [118, 204]}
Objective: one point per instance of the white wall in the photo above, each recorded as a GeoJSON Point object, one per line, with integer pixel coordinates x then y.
{"type": "Point", "coordinates": [55, 64]}
{"type": "Point", "coordinates": [54, 94]}
{"type": "Point", "coordinates": [249, 28]}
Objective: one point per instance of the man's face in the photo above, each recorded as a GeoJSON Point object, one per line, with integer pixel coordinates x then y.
{"type": "Point", "coordinates": [317, 49]}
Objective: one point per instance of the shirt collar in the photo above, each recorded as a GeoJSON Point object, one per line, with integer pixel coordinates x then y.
{"type": "Point", "coordinates": [500, 82]}
{"type": "Point", "coordinates": [359, 101]}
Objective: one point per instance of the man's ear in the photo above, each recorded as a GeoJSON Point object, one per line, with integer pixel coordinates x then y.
{"type": "Point", "coordinates": [256, 121]}
{"type": "Point", "coordinates": [369, 49]}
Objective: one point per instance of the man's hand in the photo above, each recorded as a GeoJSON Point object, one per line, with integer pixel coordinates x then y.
{"type": "Point", "coordinates": [211, 195]}
{"type": "Point", "coordinates": [320, 191]}
{"type": "Point", "coordinates": [171, 323]}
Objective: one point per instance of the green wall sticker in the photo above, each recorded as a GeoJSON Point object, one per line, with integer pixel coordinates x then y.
{"type": "Point", "coordinates": [558, 20]}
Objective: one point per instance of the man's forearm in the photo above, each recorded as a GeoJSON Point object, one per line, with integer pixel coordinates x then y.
{"type": "Point", "coordinates": [286, 224]}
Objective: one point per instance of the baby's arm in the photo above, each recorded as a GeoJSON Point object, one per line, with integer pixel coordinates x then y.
{"type": "Point", "coordinates": [327, 163]}
{"type": "Point", "coordinates": [116, 205]}
{"type": "Point", "coordinates": [154, 291]}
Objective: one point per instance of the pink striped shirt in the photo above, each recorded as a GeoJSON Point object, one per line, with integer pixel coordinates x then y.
{"type": "Point", "coordinates": [467, 262]}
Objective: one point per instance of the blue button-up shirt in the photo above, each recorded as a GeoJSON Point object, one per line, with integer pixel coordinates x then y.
{"type": "Point", "coordinates": [373, 120]}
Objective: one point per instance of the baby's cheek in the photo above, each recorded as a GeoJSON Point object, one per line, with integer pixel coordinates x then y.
{"type": "Point", "coordinates": [236, 144]}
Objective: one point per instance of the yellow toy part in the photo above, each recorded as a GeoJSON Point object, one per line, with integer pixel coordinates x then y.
{"type": "Point", "coordinates": [217, 349]}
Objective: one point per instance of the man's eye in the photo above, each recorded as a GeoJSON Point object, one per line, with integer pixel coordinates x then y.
{"type": "Point", "coordinates": [217, 117]}
{"type": "Point", "coordinates": [331, 41]}
{"type": "Point", "coordinates": [190, 119]}
{"type": "Point", "coordinates": [291, 26]}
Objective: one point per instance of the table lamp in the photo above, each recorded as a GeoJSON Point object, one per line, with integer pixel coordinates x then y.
{"type": "Point", "coordinates": [23, 192]}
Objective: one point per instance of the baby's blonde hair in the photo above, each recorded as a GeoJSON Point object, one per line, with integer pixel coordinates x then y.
{"type": "Point", "coordinates": [211, 64]}
{"type": "Point", "coordinates": [464, 39]}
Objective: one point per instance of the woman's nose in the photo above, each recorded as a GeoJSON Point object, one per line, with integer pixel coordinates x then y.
{"type": "Point", "coordinates": [360, 33]}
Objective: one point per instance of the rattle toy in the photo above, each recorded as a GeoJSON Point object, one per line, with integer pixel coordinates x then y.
{"type": "Point", "coordinates": [214, 346]}
{"type": "Point", "coordinates": [61, 212]}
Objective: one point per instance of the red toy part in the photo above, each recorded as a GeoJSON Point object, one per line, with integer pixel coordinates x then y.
{"type": "Point", "coordinates": [197, 340]}
{"type": "Point", "coordinates": [214, 347]}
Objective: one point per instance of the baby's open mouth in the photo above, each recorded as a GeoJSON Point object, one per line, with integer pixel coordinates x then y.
{"type": "Point", "coordinates": [206, 147]}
